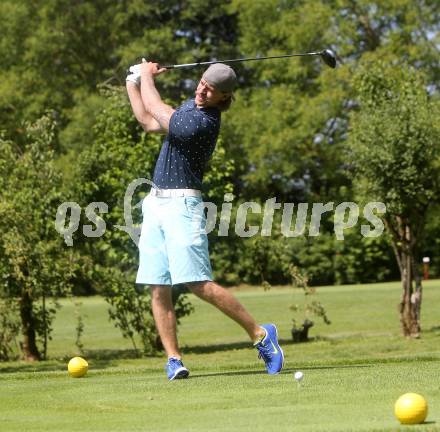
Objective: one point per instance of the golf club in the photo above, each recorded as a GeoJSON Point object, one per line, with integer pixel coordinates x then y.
{"type": "Point", "coordinates": [327, 55]}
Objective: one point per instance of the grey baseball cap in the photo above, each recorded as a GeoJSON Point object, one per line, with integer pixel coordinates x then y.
{"type": "Point", "coordinates": [221, 76]}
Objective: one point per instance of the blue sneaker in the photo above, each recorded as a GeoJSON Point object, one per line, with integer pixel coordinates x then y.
{"type": "Point", "coordinates": [175, 369]}
{"type": "Point", "coordinates": [270, 351]}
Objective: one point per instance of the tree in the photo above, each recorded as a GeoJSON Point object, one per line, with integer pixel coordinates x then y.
{"type": "Point", "coordinates": [394, 147]}
{"type": "Point", "coordinates": [33, 263]}
{"type": "Point", "coordinates": [56, 52]}
{"type": "Point", "coordinates": [290, 121]}
{"type": "Point", "coordinates": [289, 124]}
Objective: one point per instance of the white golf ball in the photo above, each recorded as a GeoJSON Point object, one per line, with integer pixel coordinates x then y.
{"type": "Point", "coordinates": [299, 376]}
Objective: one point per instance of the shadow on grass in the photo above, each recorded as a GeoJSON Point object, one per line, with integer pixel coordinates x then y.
{"type": "Point", "coordinates": [112, 354]}
{"type": "Point", "coordinates": [49, 366]}
{"type": "Point", "coordinates": [213, 348]}
{"type": "Point", "coordinates": [232, 373]}
{"type": "Point", "coordinates": [98, 359]}
{"type": "Point", "coordinates": [207, 349]}
{"type": "Point", "coordinates": [332, 366]}
{"type": "Point", "coordinates": [283, 372]}
{"type": "Point", "coordinates": [434, 329]}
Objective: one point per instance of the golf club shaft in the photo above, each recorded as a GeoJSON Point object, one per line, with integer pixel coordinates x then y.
{"type": "Point", "coordinates": [240, 60]}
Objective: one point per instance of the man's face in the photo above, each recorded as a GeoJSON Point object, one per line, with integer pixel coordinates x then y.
{"type": "Point", "coordinates": [208, 96]}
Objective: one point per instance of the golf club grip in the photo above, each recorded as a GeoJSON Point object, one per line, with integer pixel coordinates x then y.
{"type": "Point", "coordinates": [179, 66]}
{"type": "Point", "coordinates": [128, 72]}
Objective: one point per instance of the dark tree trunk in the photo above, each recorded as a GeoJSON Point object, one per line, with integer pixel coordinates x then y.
{"type": "Point", "coordinates": [29, 345]}
{"type": "Point", "coordinates": [411, 300]}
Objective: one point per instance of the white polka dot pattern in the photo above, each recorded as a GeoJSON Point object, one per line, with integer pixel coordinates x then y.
{"type": "Point", "coordinates": [187, 147]}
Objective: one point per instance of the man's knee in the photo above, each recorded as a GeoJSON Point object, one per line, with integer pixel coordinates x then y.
{"type": "Point", "coordinates": [160, 292]}
{"type": "Point", "coordinates": [200, 289]}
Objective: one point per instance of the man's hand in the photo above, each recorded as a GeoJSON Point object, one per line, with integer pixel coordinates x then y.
{"type": "Point", "coordinates": [147, 105]}
{"type": "Point", "coordinates": [151, 99]}
{"type": "Point", "coordinates": [150, 68]}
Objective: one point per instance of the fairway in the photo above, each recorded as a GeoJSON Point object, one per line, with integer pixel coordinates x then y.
{"type": "Point", "coordinates": [354, 371]}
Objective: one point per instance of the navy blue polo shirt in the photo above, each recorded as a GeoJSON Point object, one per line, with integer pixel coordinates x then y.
{"type": "Point", "coordinates": [187, 148]}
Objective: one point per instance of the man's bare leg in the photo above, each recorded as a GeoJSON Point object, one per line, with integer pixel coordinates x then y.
{"type": "Point", "coordinates": [223, 300]}
{"type": "Point", "coordinates": [165, 318]}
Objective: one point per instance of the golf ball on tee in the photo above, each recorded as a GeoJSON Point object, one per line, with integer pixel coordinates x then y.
{"type": "Point", "coordinates": [298, 376]}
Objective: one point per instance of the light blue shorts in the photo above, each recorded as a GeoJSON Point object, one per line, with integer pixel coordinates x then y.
{"type": "Point", "coordinates": [173, 246]}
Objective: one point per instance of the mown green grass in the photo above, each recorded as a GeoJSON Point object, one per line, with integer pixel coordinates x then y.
{"type": "Point", "coordinates": [354, 369]}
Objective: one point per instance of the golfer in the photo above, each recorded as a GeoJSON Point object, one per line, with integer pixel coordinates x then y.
{"type": "Point", "coordinates": [173, 246]}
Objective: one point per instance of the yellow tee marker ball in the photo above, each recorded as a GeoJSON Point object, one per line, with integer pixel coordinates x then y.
{"type": "Point", "coordinates": [77, 367]}
{"type": "Point", "coordinates": [411, 408]}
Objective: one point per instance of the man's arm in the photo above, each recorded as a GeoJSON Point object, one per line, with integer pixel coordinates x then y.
{"type": "Point", "coordinates": [151, 99]}
{"type": "Point", "coordinates": [146, 120]}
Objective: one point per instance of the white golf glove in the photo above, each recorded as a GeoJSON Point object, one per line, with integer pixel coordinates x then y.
{"type": "Point", "coordinates": [135, 75]}
{"type": "Point", "coordinates": [134, 78]}
{"type": "Point", "coordinates": [135, 69]}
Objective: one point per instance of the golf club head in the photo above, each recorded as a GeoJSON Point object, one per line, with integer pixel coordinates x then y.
{"type": "Point", "coordinates": [329, 58]}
